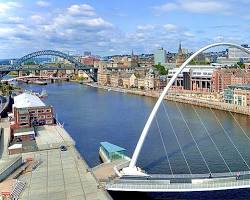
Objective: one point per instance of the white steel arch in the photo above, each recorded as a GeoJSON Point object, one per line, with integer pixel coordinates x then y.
{"type": "Point", "coordinates": [132, 169]}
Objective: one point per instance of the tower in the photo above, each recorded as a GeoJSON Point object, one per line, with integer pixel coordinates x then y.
{"type": "Point", "coordinates": [180, 49]}
{"type": "Point", "coordinates": [180, 58]}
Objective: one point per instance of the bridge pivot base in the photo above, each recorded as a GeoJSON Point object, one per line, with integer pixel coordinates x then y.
{"type": "Point", "coordinates": [133, 171]}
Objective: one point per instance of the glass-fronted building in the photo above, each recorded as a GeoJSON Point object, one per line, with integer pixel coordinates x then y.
{"type": "Point", "coordinates": [110, 152]}
{"type": "Point", "coordinates": [160, 56]}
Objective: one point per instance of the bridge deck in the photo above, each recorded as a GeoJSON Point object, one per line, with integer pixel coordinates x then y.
{"type": "Point", "coordinates": [181, 182]}
{"type": "Point", "coordinates": [167, 186]}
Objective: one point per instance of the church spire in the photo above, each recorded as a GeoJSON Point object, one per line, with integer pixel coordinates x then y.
{"type": "Point", "coordinates": [180, 49]}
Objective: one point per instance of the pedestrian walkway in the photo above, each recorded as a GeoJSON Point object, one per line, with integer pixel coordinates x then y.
{"type": "Point", "coordinates": [4, 140]}
{"type": "Point", "coordinates": [61, 175]}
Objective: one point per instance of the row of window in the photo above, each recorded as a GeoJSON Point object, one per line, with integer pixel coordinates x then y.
{"type": "Point", "coordinates": [24, 124]}
{"type": "Point", "coordinates": [24, 118]}
{"type": "Point", "coordinates": [40, 111]}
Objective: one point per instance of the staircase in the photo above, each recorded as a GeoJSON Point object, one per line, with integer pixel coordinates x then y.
{"type": "Point", "coordinates": [17, 190]}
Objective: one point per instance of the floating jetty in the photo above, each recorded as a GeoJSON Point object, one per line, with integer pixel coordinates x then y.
{"type": "Point", "coordinates": [109, 152]}
{"type": "Point", "coordinates": [112, 156]}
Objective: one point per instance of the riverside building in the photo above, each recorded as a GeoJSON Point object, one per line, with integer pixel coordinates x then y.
{"type": "Point", "coordinates": [29, 110]}
{"type": "Point", "coordinates": [196, 78]}
{"type": "Point", "coordinates": [238, 94]}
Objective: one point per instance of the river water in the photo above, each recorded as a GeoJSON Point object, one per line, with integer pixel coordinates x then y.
{"type": "Point", "coordinates": [94, 115]}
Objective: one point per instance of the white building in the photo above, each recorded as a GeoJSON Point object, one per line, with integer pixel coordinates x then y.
{"type": "Point", "coordinates": [193, 77]}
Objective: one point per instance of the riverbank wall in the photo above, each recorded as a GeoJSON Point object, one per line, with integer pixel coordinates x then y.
{"type": "Point", "coordinates": [183, 99]}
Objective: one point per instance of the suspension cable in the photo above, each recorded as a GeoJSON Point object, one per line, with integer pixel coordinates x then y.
{"type": "Point", "coordinates": [165, 149]}
{"type": "Point", "coordinates": [208, 133]}
{"type": "Point", "coordinates": [239, 125]}
{"type": "Point", "coordinates": [172, 127]}
{"type": "Point", "coordinates": [226, 133]}
{"type": "Point", "coordinates": [191, 134]}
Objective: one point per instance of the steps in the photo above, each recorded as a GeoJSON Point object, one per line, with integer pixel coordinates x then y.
{"type": "Point", "coordinates": [17, 190]}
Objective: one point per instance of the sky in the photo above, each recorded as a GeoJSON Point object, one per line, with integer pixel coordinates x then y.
{"type": "Point", "coordinates": [107, 27]}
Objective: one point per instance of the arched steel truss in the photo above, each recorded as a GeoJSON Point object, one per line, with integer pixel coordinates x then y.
{"type": "Point", "coordinates": [49, 52]}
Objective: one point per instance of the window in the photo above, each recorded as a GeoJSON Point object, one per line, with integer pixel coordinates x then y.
{"type": "Point", "coordinates": [49, 116]}
{"type": "Point", "coordinates": [48, 110]}
{"type": "Point", "coordinates": [49, 122]}
{"type": "Point", "coordinates": [24, 124]}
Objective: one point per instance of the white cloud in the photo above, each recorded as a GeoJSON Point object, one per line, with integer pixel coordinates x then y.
{"type": "Point", "coordinates": [146, 27]}
{"type": "Point", "coordinates": [83, 9]}
{"type": "Point", "coordinates": [203, 6]}
{"type": "Point", "coordinates": [43, 3]}
{"type": "Point", "coordinates": [188, 34]}
{"type": "Point", "coordinates": [196, 6]}
{"type": "Point", "coordinates": [38, 19]}
{"type": "Point", "coordinates": [218, 38]}
{"type": "Point", "coordinates": [170, 27]}
{"type": "Point", "coordinates": [6, 6]}
{"type": "Point", "coordinates": [167, 7]}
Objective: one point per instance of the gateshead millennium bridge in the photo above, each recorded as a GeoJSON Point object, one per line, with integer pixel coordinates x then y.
{"type": "Point", "coordinates": [132, 178]}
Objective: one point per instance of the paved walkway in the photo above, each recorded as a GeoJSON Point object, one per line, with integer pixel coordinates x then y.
{"type": "Point", "coordinates": [4, 139]}
{"type": "Point", "coordinates": [61, 175]}
{"type": "Point", "coordinates": [105, 171]}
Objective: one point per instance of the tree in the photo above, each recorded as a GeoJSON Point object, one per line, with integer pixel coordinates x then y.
{"type": "Point", "coordinates": [241, 65]}
{"type": "Point", "coordinates": [194, 62]}
{"type": "Point", "coordinates": [161, 69]}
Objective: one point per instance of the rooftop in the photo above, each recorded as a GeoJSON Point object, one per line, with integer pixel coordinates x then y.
{"type": "Point", "coordinates": [111, 148]}
{"type": "Point", "coordinates": [240, 86]}
{"type": "Point", "coordinates": [15, 146]}
{"type": "Point", "coordinates": [26, 100]}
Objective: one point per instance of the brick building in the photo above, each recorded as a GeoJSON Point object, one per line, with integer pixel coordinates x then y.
{"type": "Point", "coordinates": [29, 110]}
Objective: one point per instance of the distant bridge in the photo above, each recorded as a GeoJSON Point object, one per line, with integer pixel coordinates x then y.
{"type": "Point", "coordinates": [17, 66]}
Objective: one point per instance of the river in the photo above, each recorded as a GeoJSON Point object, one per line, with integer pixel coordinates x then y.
{"type": "Point", "coordinates": [93, 115]}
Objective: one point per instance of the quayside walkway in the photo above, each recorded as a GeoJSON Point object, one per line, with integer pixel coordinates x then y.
{"type": "Point", "coordinates": [60, 175]}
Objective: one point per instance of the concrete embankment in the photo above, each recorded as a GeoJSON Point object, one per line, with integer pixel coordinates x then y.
{"type": "Point", "coordinates": [183, 99]}
{"type": "Point", "coordinates": [211, 104]}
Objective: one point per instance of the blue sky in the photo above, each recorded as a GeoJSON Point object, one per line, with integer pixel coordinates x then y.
{"type": "Point", "coordinates": [107, 27]}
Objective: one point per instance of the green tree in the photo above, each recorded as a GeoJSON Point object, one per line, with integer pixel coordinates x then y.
{"type": "Point", "coordinates": [161, 69]}
{"type": "Point", "coordinates": [241, 65]}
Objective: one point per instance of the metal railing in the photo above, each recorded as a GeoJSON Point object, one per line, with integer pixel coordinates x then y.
{"type": "Point", "coordinates": [162, 186]}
